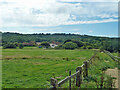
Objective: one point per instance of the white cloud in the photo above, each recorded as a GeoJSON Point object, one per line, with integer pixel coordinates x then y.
{"type": "Point", "coordinates": [18, 13]}
{"type": "Point", "coordinates": [90, 22]}
{"type": "Point", "coordinates": [89, 0]}
{"type": "Point", "coordinates": [15, 31]}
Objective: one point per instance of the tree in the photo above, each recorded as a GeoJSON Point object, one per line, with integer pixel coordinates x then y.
{"type": "Point", "coordinates": [80, 44]}
{"type": "Point", "coordinates": [9, 45]}
{"type": "Point", "coordinates": [21, 46]}
{"type": "Point", "coordinates": [70, 45]}
{"type": "Point", "coordinates": [45, 44]}
{"type": "Point", "coordinates": [67, 41]}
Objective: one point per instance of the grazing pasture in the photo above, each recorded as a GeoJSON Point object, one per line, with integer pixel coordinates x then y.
{"type": "Point", "coordinates": [33, 67]}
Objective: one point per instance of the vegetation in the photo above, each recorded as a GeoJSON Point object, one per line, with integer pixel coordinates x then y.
{"type": "Point", "coordinates": [70, 45]}
{"type": "Point", "coordinates": [9, 45]}
{"type": "Point", "coordinates": [82, 41]}
{"type": "Point", "coordinates": [21, 46]}
{"type": "Point", "coordinates": [24, 65]}
{"type": "Point", "coordinates": [45, 44]}
{"type": "Point", "coordinates": [32, 67]}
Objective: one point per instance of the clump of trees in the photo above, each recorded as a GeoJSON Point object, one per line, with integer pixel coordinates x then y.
{"type": "Point", "coordinates": [45, 44]}
{"type": "Point", "coordinates": [9, 45]}
{"type": "Point", "coordinates": [70, 45]}
{"type": "Point", "coordinates": [73, 44]}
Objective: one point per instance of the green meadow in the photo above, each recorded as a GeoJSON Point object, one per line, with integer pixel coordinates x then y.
{"type": "Point", "coordinates": [33, 67]}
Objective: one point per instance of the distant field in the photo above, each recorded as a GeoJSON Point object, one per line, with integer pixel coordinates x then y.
{"type": "Point", "coordinates": [33, 67]}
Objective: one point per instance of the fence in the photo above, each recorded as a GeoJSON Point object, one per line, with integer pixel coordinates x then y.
{"type": "Point", "coordinates": [81, 72]}
{"type": "Point", "coordinates": [113, 57]}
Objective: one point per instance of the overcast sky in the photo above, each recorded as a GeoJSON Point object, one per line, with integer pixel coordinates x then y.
{"type": "Point", "coordinates": [92, 17]}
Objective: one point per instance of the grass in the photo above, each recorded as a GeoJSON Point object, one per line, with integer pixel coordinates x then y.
{"type": "Point", "coordinates": [33, 67]}
{"type": "Point", "coordinates": [101, 63]}
{"type": "Point", "coordinates": [97, 70]}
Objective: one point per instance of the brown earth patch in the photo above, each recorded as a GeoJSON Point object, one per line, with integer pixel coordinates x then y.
{"type": "Point", "coordinates": [114, 73]}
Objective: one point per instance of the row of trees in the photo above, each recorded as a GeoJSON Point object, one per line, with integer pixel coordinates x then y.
{"type": "Point", "coordinates": [71, 40]}
{"type": "Point", "coordinates": [13, 45]}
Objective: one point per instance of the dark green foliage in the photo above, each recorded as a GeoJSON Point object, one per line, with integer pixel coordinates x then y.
{"type": "Point", "coordinates": [82, 41]}
{"type": "Point", "coordinates": [9, 45]}
{"type": "Point", "coordinates": [79, 43]}
{"type": "Point", "coordinates": [45, 44]}
{"type": "Point", "coordinates": [70, 45]}
{"type": "Point", "coordinates": [67, 41]}
{"type": "Point", "coordinates": [21, 46]}
{"type": "Point", "coordinates": [89, 47]}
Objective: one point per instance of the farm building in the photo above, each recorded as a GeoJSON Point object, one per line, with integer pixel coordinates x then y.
{"type": "Point", "coordinates": [54, 44]}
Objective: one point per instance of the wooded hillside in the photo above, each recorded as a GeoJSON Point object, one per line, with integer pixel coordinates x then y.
{"type": "Point", "coordinates": [110, 44]}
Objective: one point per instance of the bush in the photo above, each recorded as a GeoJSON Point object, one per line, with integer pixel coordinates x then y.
{"type": "Point", "coordinates": [89, 47]}
{"type": "Point", "coordinates": [45, 44]}
{"type": "Point", "coordinates": [79, 44]}
{"type": "Point", "coordinates": [70, 45]}
{"type": "Point", "coordinates": [101, 48]}
{"type": "Point", "coordinates": [21, 46]}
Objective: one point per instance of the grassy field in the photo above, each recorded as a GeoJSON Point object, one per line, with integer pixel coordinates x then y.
{"type": "Point", "coordinates": [33, 67]}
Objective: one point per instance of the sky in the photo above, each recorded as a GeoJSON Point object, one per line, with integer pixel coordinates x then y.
{"type": "Point", "coordinates": [90, 17]}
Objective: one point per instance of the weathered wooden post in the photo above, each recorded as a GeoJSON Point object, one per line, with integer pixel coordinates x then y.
{"type": "Point", "coordinates": [54, 83]}
{"type": "Point", "coordinates": [78, 77]}
{"type": "Point", "coordinates": [80, 70]}
{"type": "Point", "coordinates": [70, 80]}
{"type": "Point", "coordinates": [85, 69]}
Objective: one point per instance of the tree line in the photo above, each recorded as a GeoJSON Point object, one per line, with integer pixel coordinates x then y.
{"type": "Point", "coordinates": [68, 41]}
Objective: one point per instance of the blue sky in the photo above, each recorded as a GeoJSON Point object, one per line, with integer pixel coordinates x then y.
{"type": "Point", "coordinates": [97, 18]}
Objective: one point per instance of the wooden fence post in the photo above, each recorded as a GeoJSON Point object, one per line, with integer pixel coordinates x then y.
{"type": "Point", "coordinates": [80, 70]}
{"type": "Point", "coordinates": [85, 69]}
{"type": "Point", "coordinates": [70, 80]}
{"type": "Point", "coordinates": [54, 83]}
{"type": "Point", "coordinates": [78, 77]}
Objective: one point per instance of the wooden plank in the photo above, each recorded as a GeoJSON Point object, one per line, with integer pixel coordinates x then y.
{"type": "Point", "coordinates": [82, 65]}
{"type": "Point", "coordinates": [66, 79]}
{"type": "Point", "coordinates": [108, 53]}
{"type": "Point", "coordinates": [80, 70]}
{"type": "Point", "coordinates": [54, 83]}
{"type": "Point", "coordinates": [86, 69]}
{"type": "Point", "coordinates": [77, 77]}
{"type": "Point", "coordinates": [70, 80]}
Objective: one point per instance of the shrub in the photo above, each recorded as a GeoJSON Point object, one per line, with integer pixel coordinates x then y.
{"type": "Point", "coordinates": [89, 47]}
{"type": "Point", "coordinates": [45, 44]}
{"type": "Point", "coordinates": [21, 46]}
{"type": "Point", "coordinates": [70, 45]}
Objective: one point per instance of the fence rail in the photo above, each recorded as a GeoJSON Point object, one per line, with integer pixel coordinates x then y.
{"type": "Point", "coordinates": [113, 57]}
{"type": "Point", "coordinates": [81, 72]}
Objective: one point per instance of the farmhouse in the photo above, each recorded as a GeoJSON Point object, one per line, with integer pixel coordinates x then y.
{"type": "Point", "coordinates": [54, 44]}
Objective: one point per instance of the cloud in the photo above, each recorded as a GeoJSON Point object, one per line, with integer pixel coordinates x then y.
{"type": "Point", "coordinates": [42, 13]}
{"type": "Point", "coordinates": [89, 0]}
{"type": "Point", "coordinates": [90, 22]}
